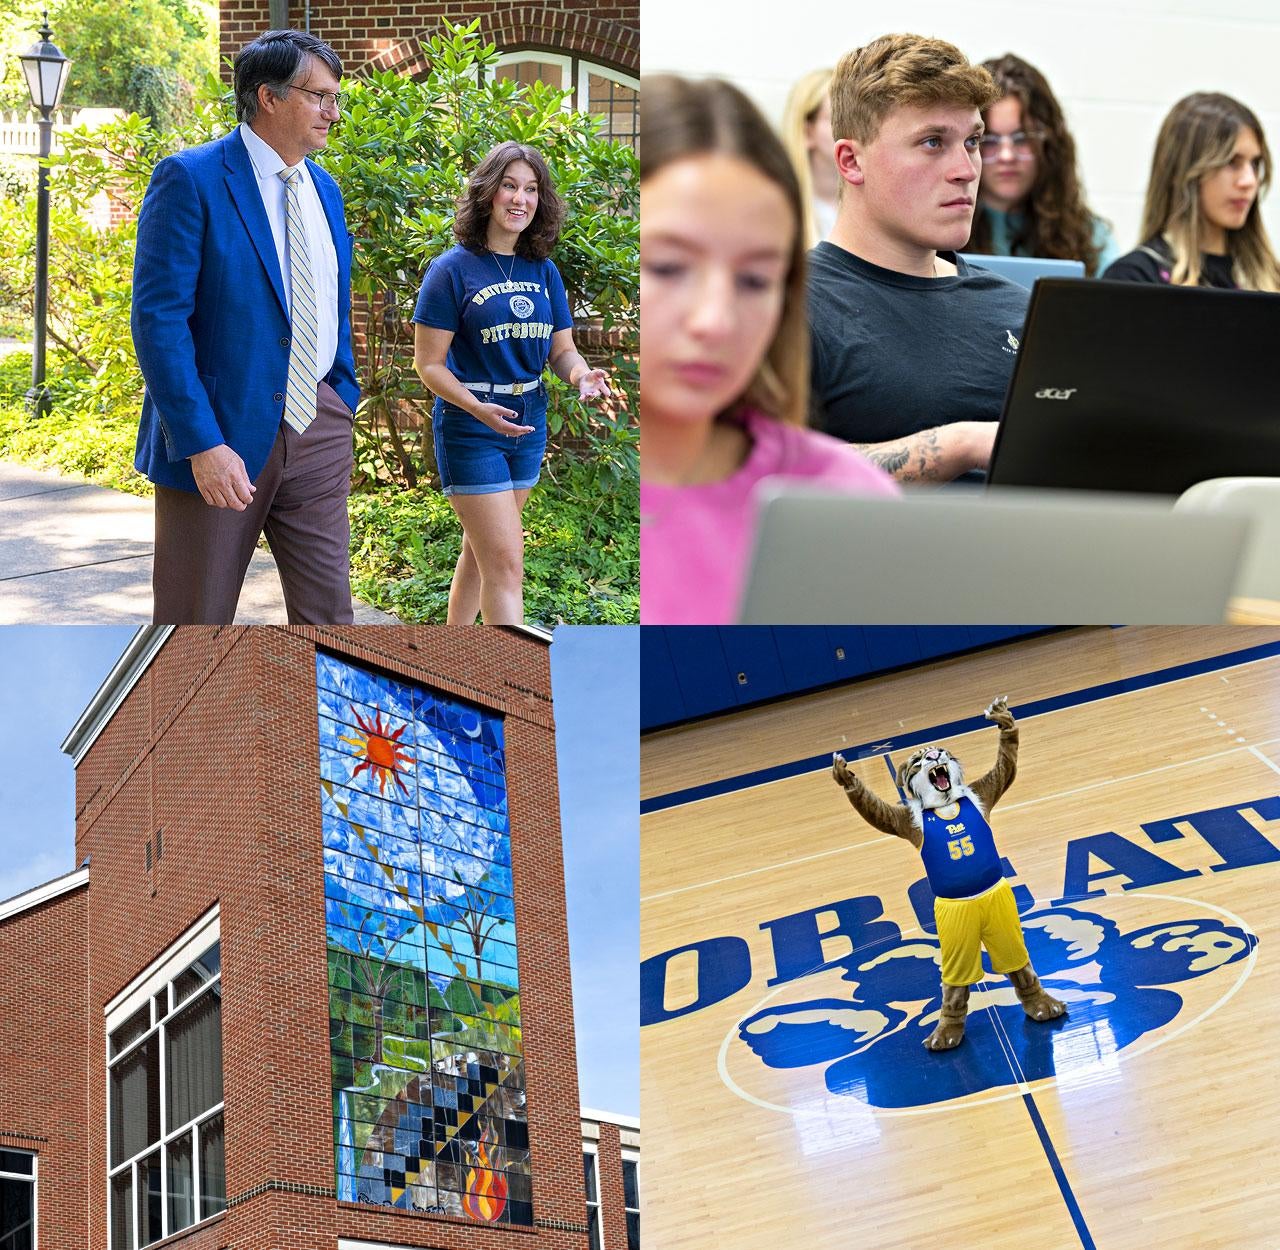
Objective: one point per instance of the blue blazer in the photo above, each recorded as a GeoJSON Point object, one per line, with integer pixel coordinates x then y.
{"type": "Point", "coordinates": [210, 324]}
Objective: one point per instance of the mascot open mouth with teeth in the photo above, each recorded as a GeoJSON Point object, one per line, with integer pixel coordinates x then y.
{"type": "Point", "coordinates": [946, 821]}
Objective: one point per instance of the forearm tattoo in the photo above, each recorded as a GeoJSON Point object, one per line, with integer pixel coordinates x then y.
{"type": "Point", "coordinates": [918, 458]}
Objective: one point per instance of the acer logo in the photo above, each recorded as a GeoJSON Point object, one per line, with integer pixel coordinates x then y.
{"type": "Point", "coordinates": [1050, 393]}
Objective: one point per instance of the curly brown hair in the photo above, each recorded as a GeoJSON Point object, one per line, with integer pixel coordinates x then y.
{"type": "Point", "coordinates": [1056, 221]}
{"type": "Point", "coordinates": [471, 221]}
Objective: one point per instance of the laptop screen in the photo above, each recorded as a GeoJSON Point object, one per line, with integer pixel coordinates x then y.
{"type": "Point", "coordinates": [1024, 270]}
{"type": "Point", "coordinates": [1138, 388]}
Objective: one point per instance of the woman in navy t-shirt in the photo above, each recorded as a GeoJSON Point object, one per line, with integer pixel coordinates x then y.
{"type": "Point", "coordinates": [491, 315]}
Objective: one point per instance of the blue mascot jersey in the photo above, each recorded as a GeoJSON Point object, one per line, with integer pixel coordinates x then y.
{"type": "Point", "coordinates": [960, 857]}
{"type": "Point", "coordinates": [501, 329]}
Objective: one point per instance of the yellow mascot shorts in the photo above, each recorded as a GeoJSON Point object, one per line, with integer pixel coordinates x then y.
{"type": "Point", "coordinates": [966, 925]}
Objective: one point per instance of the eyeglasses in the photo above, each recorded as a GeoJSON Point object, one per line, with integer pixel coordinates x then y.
{"type": "Point", "coordinates": [1023, 142]}
{"type": "Point", "coordinates": [328, 99]}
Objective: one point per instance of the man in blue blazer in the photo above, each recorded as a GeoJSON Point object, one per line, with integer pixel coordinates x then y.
{"type": "Point", "coordinates": [241, 321]}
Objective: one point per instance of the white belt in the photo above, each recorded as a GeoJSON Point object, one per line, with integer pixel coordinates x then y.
{"type": "Point", "coordinates": [516, 388]}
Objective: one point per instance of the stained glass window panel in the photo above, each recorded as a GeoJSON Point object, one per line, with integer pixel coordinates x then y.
{"type": "Point", "coordinates": [425, 1034]}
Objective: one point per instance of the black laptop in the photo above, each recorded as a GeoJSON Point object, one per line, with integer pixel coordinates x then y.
{"type": "Point", "coordinates": [1137, 388]}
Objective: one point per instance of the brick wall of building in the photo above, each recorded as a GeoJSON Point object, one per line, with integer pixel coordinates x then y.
{"type": "Point", "coordinates": [385, 34]}
{"type": "Point", "coordinates": [613, 1214]}
{"type": "Point", "coordinates": [217, 745]}
{"type": "Point", "coordinates": [42, 1057]}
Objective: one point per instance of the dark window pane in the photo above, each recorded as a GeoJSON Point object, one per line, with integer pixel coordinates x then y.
{"type": "Point", "coordinates": [194, 1059]}
{"type": "Point", "coordinates": [630, 1185]}
{"type": "Point", "coordinates": [213, 1181]}
{"type": "Point", "coordinates": [122, 1211]}
{"type": "Point", "coordinates": [589, 1176]}
{"type": "Point", "coordinates": [182, 1200]}
{"type": "Point", "coordinates": [17, 1199]}
{"type": "Point", "coordinates": [593, 1228]}
{"type": "Point", "coordinates": [135, 1101]}
{"type": "Point", "coordinates": [149, 1199]}
{"type": "Point", "coordinates": [618, 105]}
{"type": "Point", "coordinates": [199, 973]}
{"type": "Point", "coordinates": [633, 1230]}
{"type": "Point", "coordinates": [17, 1161]}
{"type": "Point", "coordinates": [132, 1029]}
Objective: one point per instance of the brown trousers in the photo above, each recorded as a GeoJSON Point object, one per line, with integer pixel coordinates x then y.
{"type": "Point", "coordinates": [202, 552]}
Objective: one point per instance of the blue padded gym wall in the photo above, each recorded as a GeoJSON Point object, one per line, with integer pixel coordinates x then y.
{"type": "Point", "coordinates": [690, 671]}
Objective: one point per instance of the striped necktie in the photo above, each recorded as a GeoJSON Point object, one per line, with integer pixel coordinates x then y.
{"type": "Point", "coordinates": [300, 393]}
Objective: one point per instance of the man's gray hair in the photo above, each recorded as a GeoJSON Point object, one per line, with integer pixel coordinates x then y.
{"type": "Point", "coordinates": [274, 60]}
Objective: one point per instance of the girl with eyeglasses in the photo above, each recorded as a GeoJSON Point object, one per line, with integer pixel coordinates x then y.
{"type": "Point", "coordinates": [1030, 202]}
{"type": "Point", "coordinates": [491, 315]}
{"type": "Point", "coordinates": [1201, 222]}
{"type": "Point", "coordinates": [724, 347]}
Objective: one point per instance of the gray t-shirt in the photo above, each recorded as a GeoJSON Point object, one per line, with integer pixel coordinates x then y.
{"type": "Point", "coordinates": [894, 354]}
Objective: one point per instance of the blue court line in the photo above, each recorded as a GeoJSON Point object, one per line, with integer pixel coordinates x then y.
{"type": "Point", "coordinates": [1077, 1216]}
{"type": "Point", "coordinates": [1074, 698]}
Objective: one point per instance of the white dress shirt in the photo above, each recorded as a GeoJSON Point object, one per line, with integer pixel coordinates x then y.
{"type": "Point", "coordinates": [267, 163]}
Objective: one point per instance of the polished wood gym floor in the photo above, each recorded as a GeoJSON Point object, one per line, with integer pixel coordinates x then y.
{"type": "Point", "coordinates": [798, 1109]}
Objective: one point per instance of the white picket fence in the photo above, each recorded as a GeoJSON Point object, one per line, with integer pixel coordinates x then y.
{"type": "Point", "coordinates": [20, 133]}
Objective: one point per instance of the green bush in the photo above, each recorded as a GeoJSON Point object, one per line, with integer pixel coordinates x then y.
{"type": "Point", "coordinates": [582, 554]}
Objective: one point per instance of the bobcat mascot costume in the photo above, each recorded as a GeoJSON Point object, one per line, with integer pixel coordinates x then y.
{"type": "Point", "coordinates": [946, 821]}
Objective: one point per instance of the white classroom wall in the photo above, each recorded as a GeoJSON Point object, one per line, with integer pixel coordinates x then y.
{"type": "Point", "coordinates": [1116, 65]}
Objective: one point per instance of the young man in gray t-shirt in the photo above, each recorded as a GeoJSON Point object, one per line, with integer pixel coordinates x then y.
{"type": "Point", "coordinates": [912, 348]}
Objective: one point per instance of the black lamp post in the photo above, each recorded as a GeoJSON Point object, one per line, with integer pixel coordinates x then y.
{"type": "Point", "coordinates": [46, 72]}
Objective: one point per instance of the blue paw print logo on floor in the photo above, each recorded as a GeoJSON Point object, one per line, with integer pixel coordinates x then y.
{"type": "Point", "coordinates": [856, 1028]}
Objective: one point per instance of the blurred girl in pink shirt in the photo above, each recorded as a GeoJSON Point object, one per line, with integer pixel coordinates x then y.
{"type": "Point", "coordinates": [724, 348]}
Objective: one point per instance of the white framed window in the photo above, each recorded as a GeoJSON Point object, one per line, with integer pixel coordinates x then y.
{"type": "Point", "coordinates": [631, 1196]}
{"type": "Point", "coordinates": [597, 89]}
{"type": "Point", "coordinates": [18, 1172]}
{"type": "Point", "coordinates": [165, 1169]}
{"type": "Point", "coordinates": [591, 1179]}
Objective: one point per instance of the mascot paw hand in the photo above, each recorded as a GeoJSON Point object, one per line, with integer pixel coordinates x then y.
{"type": "Point", "coordinates": [998, 711]}
{"type": "Point", "coordinates": [840, 771]}
{"type": "Point", "coordinates": [947, 1036]}
{"type": "Point", "coordinates": [1044, 1006]}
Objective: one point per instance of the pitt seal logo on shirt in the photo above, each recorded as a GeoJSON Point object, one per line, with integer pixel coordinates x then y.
{"type": "Point", "coordinates": [521, 306]}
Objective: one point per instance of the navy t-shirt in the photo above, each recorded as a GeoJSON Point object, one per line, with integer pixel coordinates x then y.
{"type": "Point", "coordinates": [893, 354]}
{"type": "Point", "coordinates": [501, 328]}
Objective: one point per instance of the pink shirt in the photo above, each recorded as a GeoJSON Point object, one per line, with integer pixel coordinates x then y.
{"type": "Point", "coordinates": [695, 541]}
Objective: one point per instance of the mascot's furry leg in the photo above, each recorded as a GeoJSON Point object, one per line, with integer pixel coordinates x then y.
{"type": "Point", "coordinates": [950, 1030]}
{"type": "Point", "coordinates": [1035, 1002]}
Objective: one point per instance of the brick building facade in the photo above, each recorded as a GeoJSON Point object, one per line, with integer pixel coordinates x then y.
{"type": "Point", "coordinates": [186, 1048]}
{"type": "Point", "coordinates": [590, 47]}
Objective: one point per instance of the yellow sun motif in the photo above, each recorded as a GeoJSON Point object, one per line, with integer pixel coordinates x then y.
{"type": "Point", "coordinates": [382, 753]}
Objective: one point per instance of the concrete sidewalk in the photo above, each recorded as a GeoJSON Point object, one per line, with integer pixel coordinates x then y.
{"type": "Point", "coordinates": [75, 553]}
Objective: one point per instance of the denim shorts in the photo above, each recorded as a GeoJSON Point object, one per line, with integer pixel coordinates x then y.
{"type": "Point", "coordinates": [475, 460]}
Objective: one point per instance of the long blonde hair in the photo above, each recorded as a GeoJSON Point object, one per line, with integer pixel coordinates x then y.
{"type": "Point", "coordinates": [802, 106]}
{"type": "Point", "coordinates": [1199, 136]}
{"type": "Point", "coordinates": [680, 118]}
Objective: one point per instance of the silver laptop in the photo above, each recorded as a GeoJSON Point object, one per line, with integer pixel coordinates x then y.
{"type": "Point", "coordinates": [1007, 557]}
{"type": "Point", "coordinates": [1024, 270]}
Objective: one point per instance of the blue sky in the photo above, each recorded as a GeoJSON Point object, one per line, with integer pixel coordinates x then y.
{"type": "Point", "coordinates": [48, 675]}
